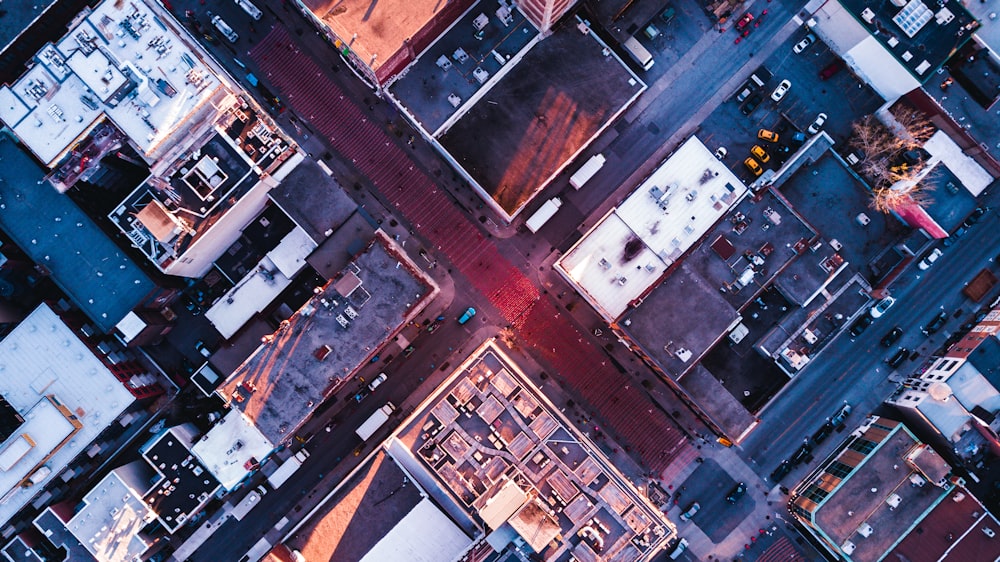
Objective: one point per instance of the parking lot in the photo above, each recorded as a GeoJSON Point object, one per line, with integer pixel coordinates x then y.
{"type": "Point", "coordinates": [841, 97]}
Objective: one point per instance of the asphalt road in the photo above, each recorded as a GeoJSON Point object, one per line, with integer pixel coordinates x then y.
{"type": "Point", "coordinates": [855, 371]}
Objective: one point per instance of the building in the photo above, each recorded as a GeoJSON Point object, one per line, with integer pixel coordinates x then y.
{"type": "Point", "coordinates": [57, 397]}
{"type": "Point", "coordinates": [629, 251]}
{"type": "Point", "coordinates": [883, 492]}
{"type": "Point", "coordinates": [314, 353]}
{"type": "Point", "coordinates": [544, 13]}
{"type": "Point", "coordinates": [129, 75]}
{"type": "Point", "coordinates": [550, 493]}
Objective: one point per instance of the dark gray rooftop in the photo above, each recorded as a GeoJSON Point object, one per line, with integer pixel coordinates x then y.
{"type": "Point", "coordinates": [18, 551]}
{"type": "Point", "coordinates": [333, 255]}
{"type": "Point", "coordinates": [99, 277]}
{"type": "Point", "coordinates": [933, 42]}
{"type": "Point", "coordinates": [425, 88]}
{"type": "Point", "coordinates": [684, 312]}
{"type": "Point", "coordinates": [55, 530]}
{"type": "Point", "coordinates": [528, 126]}
{"type": "Point", "coordinates": [366, 508]}
{"type": "Point", "coordinates": [313, 199]}
{"type": "Point", "coordinates": [183, 485]}
{"type": "Point", "coordinates": [717, 401]}
{"type": "Point", "coordinates": [986, 358]}
{"type": "Point", "coordinates": [316, 352]}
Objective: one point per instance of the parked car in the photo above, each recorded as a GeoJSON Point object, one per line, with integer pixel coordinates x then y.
{"type": "Point", "coordinates": [467, 315]}
{"type": "Point", "coordinates": [752, 103]}
{"type": "Point", "coordinates": [781, 471]}
{"type": "Point", "coordinates": [377, 381]}
{"type": "Point", "coordinates": [975, 216]}
{"type": "Point", "coordinates": [860, 325]}
{"type": "Point", "coordinates": [936, 324]}
{"type": "Point", "coordinates": [690, 511]}
{"type": "Point", "coordinates": [760, 153]}
{"type": "Point", "coordinates": [721, 153]}
{"type": "Point", "coordinates": [769, 136]}
{"type": "Point", "coordinates": [800, 454]}
{"type": "Point", "coordinates": [817, 125]}
{"type": "Point", "coordinates": [743, 21]}
{"type": "Point", "coordinates": [753, 166]}
{"type": "Point", "coordinates": [896, 360]}
{"type": "Point", "coordinates": [779, 93]}
{"type": "Point", "coordinates": [929, 259]}
{"type": "Point", "coordinates": [881, 307]}
{"type": "Point", "coordinates": [736, 493]}
{"type": "Point", "coordinates": [804, 44]}
{"type": "Point", "coordinates": [822, 433]}
{"type": "Point", "coordinates": [223, 28]}
{"type": "Point", "coordinates": [892, 336]}
{"type": "Point", "coordinates": [831, 69]}
{"type": "Point", "coordinates": [840, 417]}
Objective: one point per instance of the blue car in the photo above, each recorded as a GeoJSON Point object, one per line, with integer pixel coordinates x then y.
{"type": "Point", "coordinates": [469, 313]}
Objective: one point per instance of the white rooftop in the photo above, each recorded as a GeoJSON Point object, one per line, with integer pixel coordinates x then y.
{"type": "Point", "coordinates": [972, 389]}
{"type": "Point", "coordinates": [109, 523]}
{"type": "Point", "coordinates": [974, 177]}
{"type": "Point", "coordinates": [256, 291]}
{"type": "Point", "coordinates": [425, 534]}
{"type": "Point", "coordinates": [598, 266]}
{"type": "Point", "coordinates": [229, 446]}
{"type": "Point", "coordinates": [43, 357]}
{"type": "Point", "coordinates": [124, 60]}
{"type": "Point", "coordinates": [630, 249]}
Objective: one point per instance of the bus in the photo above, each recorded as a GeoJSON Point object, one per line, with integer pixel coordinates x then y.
{"type": "Point", "coordinates": [638, 53]}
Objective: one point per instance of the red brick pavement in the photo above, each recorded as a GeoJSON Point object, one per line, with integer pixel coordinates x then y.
{"type": "Point", "coordinates": [630, 417]}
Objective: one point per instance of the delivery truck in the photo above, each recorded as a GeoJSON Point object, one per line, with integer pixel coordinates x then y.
{"type": "Point", "coordinates": [543, 214]}
{"type": "Point", "coordinates": [587, 171]}
{"type": "Point", "coordinates": [377, 420]}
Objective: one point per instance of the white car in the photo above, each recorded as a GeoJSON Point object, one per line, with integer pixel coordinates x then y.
{"type": "Point", "coordinates": [377, 381]}
{"type": "Point", "coordinates": [804, 44]}
{"type": "Point", "coordinates": [781, 90]}
{"type": "Point", "coordinates": [882, 307]}
{"type": "Point", "coordinates": [721, 153]}
{"type": "Point", "coordinates": [817, 125]}
{"type": "Point", "coordinates": [929, 259]}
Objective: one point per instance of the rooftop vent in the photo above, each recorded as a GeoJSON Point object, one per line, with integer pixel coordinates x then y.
{"type": "Point", "coordinates": [865, 530]}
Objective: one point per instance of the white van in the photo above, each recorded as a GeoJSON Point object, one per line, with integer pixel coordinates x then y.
{"type": "Point", "coordinates": [224, 29]}
{"type": "Point", "coordinates": [249, 8]}
{"type": "Point", "coordinates": [679, 549]}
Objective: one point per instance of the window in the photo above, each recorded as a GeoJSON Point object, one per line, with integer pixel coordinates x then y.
{"type": "Point", "coordinates": [815, 493]}
{"type": "Point", "coordinates": [862, 446]}
{"type": "Point", "coordinates": [839, 469]}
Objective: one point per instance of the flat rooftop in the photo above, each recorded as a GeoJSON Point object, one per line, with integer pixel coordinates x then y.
{"type": "Point", "coordinates": [109, 520]}
{"type": "Point", "coordinates": [181, 486]}
{"type": "Point", "coordinates": [376, 515]}
{"type": "Point", "coordinates": [231, 448]}
{"type": "Point", "coordinates": [960, 516]}
{"type": "Point", "coordinates": [63, 391]}
{"type": "Point", "coordinates": [328, 339]}
{"type": "Point", "coordinates": [863, 498]}
{"type": "Point", "coordinates": [491, 441]}
{"type": "Point", "coordinates": [314, 200]}
{"type": "Point", "coordinates": [377, 32]}
{"type": "Point", "coordinates": [87, 265]}
{"type": "Point", "coordinates": [442, 84]}
{"type": "Point", "coordinates": [540, 115]}
{"type": "Point", "coordinates": [126, 62]}
{"type": "Point", "coordinates": [17, 17]}
{"type": "Point", "coordinates": [630, 250]}
{"type": "Point", "coordinates": [921, 36]}
{"type": "Point", "coordinates": [168, 214]}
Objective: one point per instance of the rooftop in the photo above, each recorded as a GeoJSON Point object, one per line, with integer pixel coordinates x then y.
{"type": "Point", "coordinates": [539, 114]}
{"type": "Point", "coordinates": [109, 521]}
{"type": "Point", "coordinates": [881, 494]}
{"type": "Point", "coordinates": [63, 391]}
{"type": "Point", "coordinates": [53, 526]}
{"type": "Point", "coordinates": [972, 389]}
{"type": "Point", "coordinates": [375, 299]}
{"type": "Point", "coordinates": [379, 514]}
{"type": "Point", "coordinates": [986, 358]}
{"type": "Point", "coordinates": [18, 17]}
{"type": "Point", "coordinates": [952, 531]}
{"type": "Point", "coordinates": [181, 486]}
{"type": "Point", "coordinates": [98, 70]}
{"type": "Point", "coordinates": [232, 448]}
{"type": "Point", "coordinates": [491, 441]}
{"type": "Point", "coordinates": [452, 67]}
{"type": "Point", "coordinates": [168, 214]}
{"type": "Point", "coordinates": [921, 36]}
{"type": "Point", "coordinates": [629, 250]}
{"type": "Point", "coordinates": [57, 234]}
{"type": "Point", "coordinates": [381, 34]}
{"type": "Point", "coordinates": [314, 200]}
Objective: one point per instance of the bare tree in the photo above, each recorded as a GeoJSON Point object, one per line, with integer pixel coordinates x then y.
{"type": "Point", "coordinates": [909, 187]}
{"type": "Point", "coordinates": [915, 127]}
